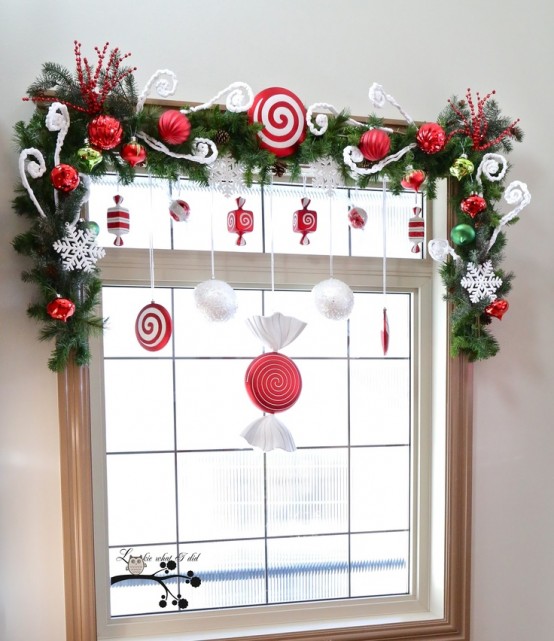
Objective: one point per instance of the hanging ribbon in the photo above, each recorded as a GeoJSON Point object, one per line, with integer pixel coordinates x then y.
{"type": "Point", "coordinates": [385, 329]}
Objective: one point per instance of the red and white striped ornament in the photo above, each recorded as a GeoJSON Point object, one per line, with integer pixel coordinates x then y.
{"type": "Point", "coordinates": [153, 327]}
{"type": "Point", "coordinates": [416, 229]}
{"type": "Point", "coordinates": [240, 221]}
{"type": "Point", "coordinates": [179, 210]}
{"type": "Point", "coordinates": [118, 220]}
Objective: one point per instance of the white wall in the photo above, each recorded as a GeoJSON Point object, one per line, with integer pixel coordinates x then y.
{"type": "Point", "coordinates": [324, 51]}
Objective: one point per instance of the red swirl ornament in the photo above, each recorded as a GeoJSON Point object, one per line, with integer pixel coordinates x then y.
{"type": "Point", "coordinates": [104, 132]}
{"type": "Point", "coordinates": [173, 127]}
{"type": "Point", "coordinates": [473, 205]}
{"type": "Point", "coordinates": [153, 327]}
{"type": "Point", "coordinates": [283, 117]}
{"type": "Point", "coordinates": [240, 221]}
{"type": "Point", "coordinates": [374, 144]}
{"type": "Point", "coordinates": [64, 178]}
{"type": "Point", "coordinates": [431, 137]}
{"type": "Point", "coordinates": [273, 382]}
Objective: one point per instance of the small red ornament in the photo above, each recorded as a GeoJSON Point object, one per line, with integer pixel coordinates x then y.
{"type": "Point", "coordinates": [473, 205]}
{"type": "Point", "coordinates": [413, 179]}
{"type": "Point", "coordinates": [60, 308]}
{"type": "Point", "coordinates": [118, 220]}
{"type": "Point", "coordinates": [240, 221]}
{"type": "Point", "coordinates": [104, 132]}
{"type": "Point", "coordinates": [64, 178]}
{"type": "Point", "coordinates": [497, 308]}
{"type": "Point", "coordinates": [174, 127]}
{"type": "Point", "coordinates": [304, 221]}
{"type": "Point", "coordinates": [431, 137]}
{"type": "Point", "coordinates": [357, 218]}
{"type": "Point", "coordinates": [385, 332]}
{"type": "Point", "coordinates": [374, 144]}
{"type": "Point", "coordinates": [273, 382]}
{"type": "Point", "coordinates": [133, 152]}
{"type": "Point", "coordinates": [416, 229]}
{"type": "Point", "coordinates": [153, 327]}
{"type": "Point", "coordinates": [179, 210]}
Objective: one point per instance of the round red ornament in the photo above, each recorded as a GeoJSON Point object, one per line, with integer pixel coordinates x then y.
{"type": "Point", "coordinates": [179, 210]}
{"type": "Point", "coordinates": [374, 144]}
{"type": "Point", "coordinates": [64, 177]}
{"type": "Point", "coordinates": [431, 137]}
{"type": "Point", "coordinates": [273, 382]}
{"type": "Point", "coordinates": [473, 205]}
{"type": "Point", "coordinates": [283, 117]}
{"type": "Point", "coordinates": [174, 127]}
{"type": "Point", "coordinates": [133, 152]}
{"type": "Point", "coordinates": [497, 308]}
{"type": "Point", "coordinates": [60, 308]}
{"type": "Point", "coordinates": [104, 132]}
{"type": "Point", "coordinates": [153, 327]}
{"type": "Point", "coordinates": [413, 179]}
{"type": "Point", "coordinates": [357, 218]}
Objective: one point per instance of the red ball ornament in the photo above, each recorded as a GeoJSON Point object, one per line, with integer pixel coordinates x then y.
{"type": "Point", "coordinates": [473, 205]}
{"type": "Point", "coordinates": [133, 152]}
{"type": "Point", "coordinates": [173, 127]}
{"type": "Point", "coordinates": [64, 177]}
{"type": "Point", "coordinates": [60, 308]}
{"type": "Point", "coordinates": [431, 137]}
{"type": "Point", "coordinates": [104, 132]}
{"type": "Point", "coordinates": [413, 179]}
{"type": "Point", "coordinates": [273, 382]}
{"type": "Point", "coordinates": [179, 210]}
{"type": "Point", "coordinates": [374, 144]}
{"type": "Point", "coordinates": [497, 308]}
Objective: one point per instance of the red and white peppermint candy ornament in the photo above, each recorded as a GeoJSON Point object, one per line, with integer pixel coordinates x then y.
{"type": "Point", "coordinates": [416, 229]}
{"type": "Point", "coordinates": [304, 221]}
{"type": "Point", "coordinates": [118, 220]}
{"type": "Point", "coordinates": [153, 327]}
{"type": "Point", "coordinates": [240, 221]}
{"type": "Point", "coordinates": [179, 210]}
{"type": "Point", "coordinates": [273, 382]}
{"type": "Point", "coordinates": [283, 117]}
{"type": "Point", "coordinates": [357, 217]}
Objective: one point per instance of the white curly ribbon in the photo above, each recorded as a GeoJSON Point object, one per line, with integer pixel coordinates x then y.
{"type": "Point", "coordinates": [516, 194]}
{"type": "Point", "coordinates": [378, 97]}
{"type": "Point", "coordinates": [352, 155]}
{"type": "Point", "coordinates": [240, 99]}
{"type": "Point", "coordinates": [322, 121]}
{"type": "Point", "coordinates": [205, 150]}
{"type": "Point", "coordinates": [57, 119]}
{"type": "Point", "coordinates": [440, 249]}
{"type": "Point", "coordinates": [493, 167]}
{"type": "Point", "coordinates": [34, 169]}
{"type": "Point", "coordinates": [165, 86]}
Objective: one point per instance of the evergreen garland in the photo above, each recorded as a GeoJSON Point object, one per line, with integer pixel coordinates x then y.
{"type": "Point", "coordinates": [110, 89]}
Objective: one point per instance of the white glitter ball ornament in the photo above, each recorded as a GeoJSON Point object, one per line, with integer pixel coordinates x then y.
{"type": "Point", "coordinates": [216, 299]}
{"type": "Point", "coordinates": [333, 299]}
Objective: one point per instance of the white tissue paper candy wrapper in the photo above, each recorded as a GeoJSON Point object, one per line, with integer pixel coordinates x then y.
{"type": "Point", "coordinates": [276, 331]}
{"type": "Point", "coordinates": [268, 433]}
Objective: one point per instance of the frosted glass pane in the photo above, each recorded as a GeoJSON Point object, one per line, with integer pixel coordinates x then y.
{"type": "Point", "coordinates": [303, 569]}
{"type": "Point", "coordinates": [139, 404]}
{"type": "Point", "coordinates": [141, 500]}
{"type": "Point", "coordinates": [380, 564]}
{"type": "Point", "coordinates": [379, 402]}
{"type": "Point", "coordinates": [121, 305]}
{"type": "Point", "coordinates": [320, 416]}
{"type": "Point", "coordinates": [307, 492]}
{"type": "Point", "coordinates": [221, 495]}
{"type": "Point", "coordinates": [380, 495]}
{"type": "Point", "coordinates": [196, 336]}
{"type": "Point", "coordinates": [366, 323]}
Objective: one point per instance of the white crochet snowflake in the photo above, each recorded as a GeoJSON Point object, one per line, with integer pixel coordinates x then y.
{"type": "Point", "coordinates": [326, 175]}
{"type": "Point", "coordinates": [481, 282]}
{"type": "Point", "coordinates": [78, 249]}
{"type": "Point", "coordinates": [226, 175]}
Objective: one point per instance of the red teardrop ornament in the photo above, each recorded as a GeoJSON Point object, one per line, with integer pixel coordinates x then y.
{"type": "Point", "coordinates": [497, 308]}
{"type": "Point", "coordinates": [133, 152]}
{"type": "Point", "coordinates": [473, 205]}
{"type": "Point", "coordinates": [413, 179]}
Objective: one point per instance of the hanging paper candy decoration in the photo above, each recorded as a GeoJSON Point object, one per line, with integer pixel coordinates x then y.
{"type": "Point", "coordinates": [357, 218]}
{"type": "Point", "coordinates": [333, 299]}
{"type": "Point", "coordinates": [64, 178]}
{"type": "Point", "coordinates": [89, 156]}
{"type": "Point", "coordinates": [431, 138]}
{"type": "Point", "coordinates": [60, 308]}
{"type": "Point", "coordinates": [153, 327]}
{"type": "Point", "coordinates": [473, 205]}
{"type": "Point", "coordinates": [462, 167]}
{"type": "Point", "coordinates": [104, 132]}
{"type": "Point", "coordinates": [216, 299]}
{"type": "Point", "coordinates": [413, 179]}
{"type": "Point", "coordinates": [179, 210]}
{"type": "Point", "coordinates": [133, 152]}
{"type": "Point", "coordinates": [283, 117]}
{"type": "Point", "coordinates": [174, 127]}
{"type": "Point", "coordinates": [497, 308]}
{"type": "Point", "coordinates": [304, 221]}
{"type": "Point", "coordinates": [273, 381]}
{"type": "Point", "coordinates": [374, 144]}
{"type": "Point", "coordinates": [240, 221]}
{"type": "Point", "coordinates": [416, 229]}
{"type": "Point", "coordinates": [462, 234]}
{"type": "Point", "coordinates": [118, 220]}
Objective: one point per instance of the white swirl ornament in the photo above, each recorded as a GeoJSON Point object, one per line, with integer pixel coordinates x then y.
{"type": "Point", "coordinates": [321, 120]}
{"type": "Point", "coordinates": [493, 167]}
{"type": "Point", "coordinates": [379, 97]}
{"type": "Point", "coordinates": [35, 170]}
{"type": "Point", "coordinates": [439, 250]}
{"type": "Point", "coordinates": [516, 194]}
{"type": "Point", "coordinates": [166, 84]}
{"type": "Point", "coordinates": [58, 120]}
{"type": "Point", "coordinates": [239, 99]}
{"type": "Point", "coordinates": [352, 155]}
{"type": "Point", "coordinates": [204, 150]}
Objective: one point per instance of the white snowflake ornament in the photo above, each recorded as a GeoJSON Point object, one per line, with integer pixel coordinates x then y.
{"type": "Point", "coordinates": [481, 282]}
{"type": "Point", "coordinates": [226, 175]}
{"type": "Point", "coordinates": [78, 249]}
{"type": "Point", "coordinates": [326, 175]}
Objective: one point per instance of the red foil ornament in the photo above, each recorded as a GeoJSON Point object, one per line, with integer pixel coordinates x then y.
{"type": "Point", "coordinates": [374, 144]}
{"type": "Point", "coordinates": [413, 179]}
{"type": "Point", "coordinates": [304, 221]}
{"type": "Point", "coordinates": [431, 137]}
{"type": "Point", "coordinates": [133, 153]}
{"type": "Point", "coordinates": [64, 178]}
{"type": "Point", "coordinates": [497, 308]}
{"type": "Point", "coordinates": [273, 382]}
{"type": "Point", "coordinates": [119, 220]}
{"type": "Point", "coordinates": [153, 327]}
{"type": "Point", "coordinates": [174, 127]}
{"type": "Point", "coordinates": [104, 132]}
{"type": "Point", "coordinates": [240, 221]}
{"type": "Point", "coordinates": [473, 205]}
{"type": "Point", "coordinates": [60, 308]}
{"type": "Point", "coordinates": [357, 218]}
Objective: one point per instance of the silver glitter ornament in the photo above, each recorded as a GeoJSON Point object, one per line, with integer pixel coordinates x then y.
{"type": "Point", "coordinates": [333, 299]}
{"type": "Point", "coordinates": [216, 299]}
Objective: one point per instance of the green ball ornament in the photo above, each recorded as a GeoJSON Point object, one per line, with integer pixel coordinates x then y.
{"type": "Point", "coordinates": [462, 234]}
{"type": "Point", "coordinates": [94, 227]}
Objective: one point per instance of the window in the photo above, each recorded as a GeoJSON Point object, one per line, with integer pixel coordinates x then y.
{"type": "Point", "coordinates": [410, 540]}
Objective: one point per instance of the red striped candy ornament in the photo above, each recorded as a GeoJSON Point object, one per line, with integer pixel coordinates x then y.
{"type": "Point", "coordinates": [416, 230]}
{"type": "Point", "coordinates": [304, 221]}
{"type": "Point", "coordinates": [118, 220]}
{"type": "Point", "coordinates": [153, 327]}
{"type": "Point", "coordinates": [273, 382]}
{"type": "Point", "coordinates": [240, 221]}
{"type": "Point", "coordinates": [283, 117]}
